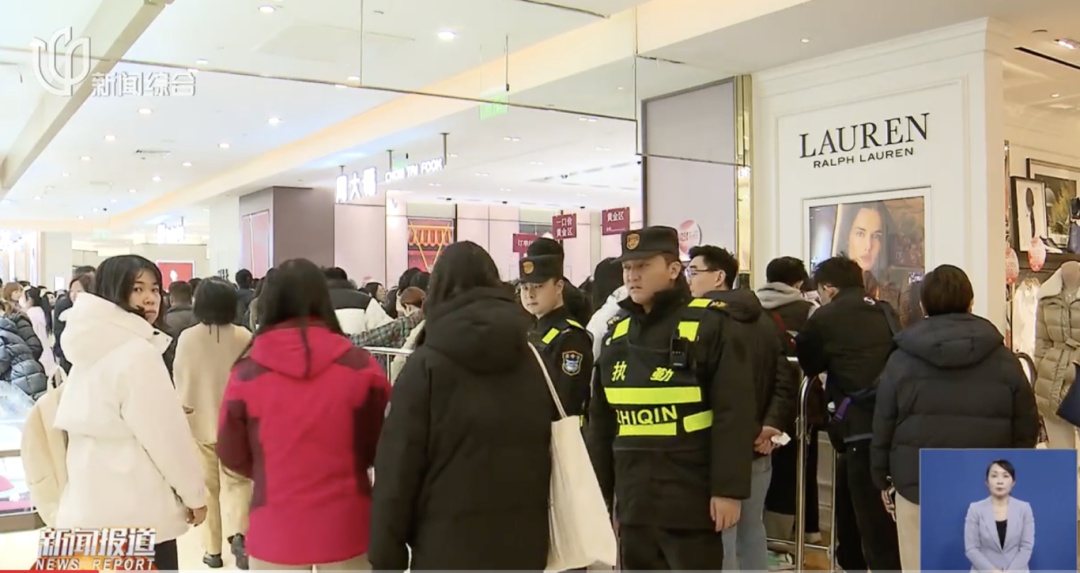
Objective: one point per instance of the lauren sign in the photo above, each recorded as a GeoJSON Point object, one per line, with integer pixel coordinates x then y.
{"type": "Point", "coordinates": [881, 140]}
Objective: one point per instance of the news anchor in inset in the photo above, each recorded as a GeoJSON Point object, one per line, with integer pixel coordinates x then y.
{"type": "Point", "coordinates": [999, 533]}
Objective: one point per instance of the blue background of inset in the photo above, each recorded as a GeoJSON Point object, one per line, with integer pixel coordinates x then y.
{"type": "Point", "coordinates": [950, 480]}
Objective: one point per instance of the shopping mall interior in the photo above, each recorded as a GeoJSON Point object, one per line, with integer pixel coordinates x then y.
{"type": "Point", "coordinates": [215, 136]}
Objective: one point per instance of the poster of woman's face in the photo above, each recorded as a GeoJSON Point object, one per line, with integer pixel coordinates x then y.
{"type": "Point", "coordinates": [1029, 213]}
{"type": "Point", "coordinates": [886, 237]}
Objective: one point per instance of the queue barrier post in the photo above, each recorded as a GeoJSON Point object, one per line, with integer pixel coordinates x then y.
{"type": "Point", "coordinates": [803, 437]}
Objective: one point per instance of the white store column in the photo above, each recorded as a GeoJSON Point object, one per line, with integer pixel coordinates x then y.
{"type": "Point", "coordinates": [223, 244]}
{"type": "Point", "coordinates": [54, 260]}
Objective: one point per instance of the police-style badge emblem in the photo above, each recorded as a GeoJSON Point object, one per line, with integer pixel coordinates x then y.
{"type": "Point", "coordinates": [527, 267]}
{"type": "Point", "coordinates": [571, 362]}
{"type": "Point", "coordinates": [632, 241]}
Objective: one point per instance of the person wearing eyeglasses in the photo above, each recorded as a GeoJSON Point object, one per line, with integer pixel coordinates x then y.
{"type": "Point", "coordinates": [711, 274]}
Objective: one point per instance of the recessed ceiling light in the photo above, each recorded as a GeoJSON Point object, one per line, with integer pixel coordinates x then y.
{"type": "Point", "coordinates": [81, 217]}
{"type": "Point", "coordinates": [537, 162]}
{"type": "Point", "coordinates": [453, 155]}
{"type": "Point", "coordinates": [1055, 95]}
{"type": "Point", "coordinates": [1067, 43]}
{"type": "Point", "coordinates": [482, 174]}
{"type": "Point", "coordinates": [112, 200]}
{"type": "Point", "coordinates": [156, 178]}
{"type": "Point", "coordinates": [274, 120]}
{"type": "Point", "coordinates": [37, 198]}
{"type": "Point", "coordinates": [603, 149]}
{"type": "Point", "coordinates": [512, 139]}
{"type": "Point", "coordinates": [85, 158]}
{"type": "Point", "coordinates": [49, 188]}
{"type": "Point", "coordinates": [267, 9]}
{"type": "Point", "coordinates": [95, 210]}
{"type": "Point", "coordinates": [620, 88]}
{"type": "Point", "coordinates": [447, 35]}
{"type": "Point", "coordinates": [202, 61]}
{"type": "Point", "coordinates": [505, 189]}
{"type": "Point", "coordinates": [133, 191]}
{"type": "Point", "coordinates": [110, 138]}
{"type": "Point", "coordinates": [340, 86]}
{"type": "Point", "coordinates": [353, 78]}
{"type": "Point", "coordinates": [145, 111]}
{"type": "Point", "coordinates": [223, 145]}
{"type": "Point", "coordinates": [186, 164]}
{"type": "Point", "coordinates": [805, 40]}
{"type": "Point", "coordinates": [193, 70]}
{"type": "Point", "coordinates": [65, 174]}
{"type": "Point", "coordinates": [435, 184]}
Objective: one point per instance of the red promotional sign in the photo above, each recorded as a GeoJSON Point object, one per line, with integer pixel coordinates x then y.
{"type": "Point", "coordinates": [564, 226]}
{"type": "Point", "coordinates": [174, 271]}
{"type": "Point", "coordinates": [522, 242]}
{"type": "Point", "coordinates": [615, 221]}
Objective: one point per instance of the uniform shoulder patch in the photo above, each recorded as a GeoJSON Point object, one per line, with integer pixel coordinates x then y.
{"type": "Point", "coordinates": [571, 362]}
{"type": "Point", "coordinates": [718, 305]}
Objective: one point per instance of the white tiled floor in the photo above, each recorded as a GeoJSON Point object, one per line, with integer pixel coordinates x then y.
{"type": "Point", "coordinates": [18, 551]}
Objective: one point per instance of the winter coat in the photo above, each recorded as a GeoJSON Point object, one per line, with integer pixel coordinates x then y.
{"type": "Point", "coordinates": [301, 416]}
{"type": "Point", "coordinates": [131, 459]}
{"type": "Point", "coordinates": [951, 383]}
{"type": "Point", "coordinates": [598, 324]}
{"type": "Point", "coordinates": [356, 311]}
{"type": "Point", "coordinates": [464, 461]}
{"type": "Point", "coordinates": [18, 363]}
{"type": "Point", "coordinates": [1057, 343]}
{"type": "Point", "coordinates": [178, 319]}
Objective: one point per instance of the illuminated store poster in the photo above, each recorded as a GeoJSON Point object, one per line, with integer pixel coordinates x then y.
{"type": "Point", "coordinates": [427, 238]}
{"type": "Point", "coordinates": [255, 243]}
{"type": "Point", "coordinates": [175, 271]}
{"type": "Point", "coordinates": [885, 235]}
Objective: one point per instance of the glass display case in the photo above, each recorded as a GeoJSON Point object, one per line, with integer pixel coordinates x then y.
{"type": "Point", "coordinates": [16, 511]}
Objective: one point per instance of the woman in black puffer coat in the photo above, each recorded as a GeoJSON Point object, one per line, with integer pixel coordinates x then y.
{"type": "Point", "coordinates": [20, 349]}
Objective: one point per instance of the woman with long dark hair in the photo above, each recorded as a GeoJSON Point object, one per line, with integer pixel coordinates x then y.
{"type": "Point", "coordinates": [130, 457]}
{"type": "Point", "coordinates": [38, 310]}
{"type": "Point", "coordinates": [302, 412]}
{"type": "Point", "coordinates": [464, 462]}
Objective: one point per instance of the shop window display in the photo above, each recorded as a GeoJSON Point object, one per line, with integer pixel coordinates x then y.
{"type": "Point", "coordinates": [14, 408]}
{"type": "Point", "coordinates": [886, 236]}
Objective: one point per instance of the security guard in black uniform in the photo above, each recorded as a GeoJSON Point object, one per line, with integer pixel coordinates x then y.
{"type": "Point", "coordinates": [562, 341]}
{"type": "Point", "coordinates": [671, 420]}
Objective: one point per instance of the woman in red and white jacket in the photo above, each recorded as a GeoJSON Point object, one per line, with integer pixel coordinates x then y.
{"type": "Point", "coordinates": [301, 417]}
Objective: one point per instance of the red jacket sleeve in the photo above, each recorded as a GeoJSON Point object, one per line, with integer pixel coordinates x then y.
{"type": "Point", "coordinates": [370, 414]}
{"type": "Point", "coordinates": [233, 446]}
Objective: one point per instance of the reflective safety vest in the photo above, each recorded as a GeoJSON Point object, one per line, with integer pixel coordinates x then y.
{"type": "Point", "coordinates": [655, 392]}
{"type": "Point", "coordinates": [543, 341]}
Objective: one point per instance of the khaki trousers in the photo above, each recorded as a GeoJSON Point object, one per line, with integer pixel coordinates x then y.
{"type": "Point", "coordinates": [360, 563]}
{"type": "Point", "coordinates": [907, 532]}
{"type": "Point", "coordinates": [227, 503]}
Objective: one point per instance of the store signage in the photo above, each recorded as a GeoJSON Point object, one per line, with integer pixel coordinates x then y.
{"type": "Point", "coordinates": [357, 186]}
{"type": "Point", "coordinates": [522, 242]}
{"type": "Point", "coordinates": [689, 236]}
{"type": "Point", "coordinates": [564, 226]}
{"type": "Point", "coordinates": [414, 170]}
{"type": "Point", "coordinates": [170, 235]}
{"type": "Point", "coordinates": [615, 221]}
{"type": "Point", "coordinates": [866, 142]}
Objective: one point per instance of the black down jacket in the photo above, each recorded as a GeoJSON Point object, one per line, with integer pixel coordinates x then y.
{"type": "Point", "coordinates": [19, 350]}
{"type": "Point", "coordinates": [463, 466]}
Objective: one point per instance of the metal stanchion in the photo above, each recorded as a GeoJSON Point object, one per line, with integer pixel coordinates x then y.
{"type": "Point", "coordinates": [387, 351]}
{"type": "Point", "coordinates": [804, 435]}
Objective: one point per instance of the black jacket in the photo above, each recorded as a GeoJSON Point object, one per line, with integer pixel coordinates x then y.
{"type": "Point", "coordinates": [850, 340]}
{"type": "Point", "coordinates": [62, 304]}
{"type": "Point", "coordinates": [568, 356]}
{"type": "Point", "coordinates": [19, 351]}
{"type": "Point", "coordinates": [244, 296]}
{"type": "Point", "coordinates": [178, 319]}
{"type": "Point", "coordinates": [463, 467]}
{"type": "Point", "coordinates": [344, 295]}
{"type": "Point", "coordinates": [952, 383]}
{"type": "Point", "coordinates": [777, 387]}
{"type": "Point", "coordinates": [669, 485]}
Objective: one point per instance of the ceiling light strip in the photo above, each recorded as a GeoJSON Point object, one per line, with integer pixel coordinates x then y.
{"type": "Point", "coordinates": [563, 7]}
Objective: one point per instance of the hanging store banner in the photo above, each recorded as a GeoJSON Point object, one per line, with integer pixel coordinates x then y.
{"type": "Point", "coordinates": [522, 242]}
{"type": "Point", "coordinates": [615, 221]}
{"type": "Point", "coordinates": [564, 226]}
{"type": "Point", "coordinates": [427, 239]}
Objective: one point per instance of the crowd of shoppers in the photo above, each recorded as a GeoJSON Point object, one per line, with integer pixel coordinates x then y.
{"type": "Point", "coordinates": [252, 409]}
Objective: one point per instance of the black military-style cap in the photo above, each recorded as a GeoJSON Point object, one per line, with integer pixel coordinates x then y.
{"type": "Point", "coordinates": [541, 268]}
{"type": "Point", "coordinates": [649, 242]}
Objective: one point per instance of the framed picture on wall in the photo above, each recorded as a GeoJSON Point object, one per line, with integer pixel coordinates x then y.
{"type": "Point", "coordinates": [1060, 189]}
{"type": "Point", "coordinates": [884, 232]}
{"type": "Point", "coordinates": [1028, 213]}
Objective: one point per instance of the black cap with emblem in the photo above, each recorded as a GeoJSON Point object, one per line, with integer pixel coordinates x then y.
{"type": "Point", "coordinates": [649, 242]}
{"type": "Point", "coordinates": [540, 269]}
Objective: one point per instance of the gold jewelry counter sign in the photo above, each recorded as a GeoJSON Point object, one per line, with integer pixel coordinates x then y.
{"type": "Point", "coordinates": [427, 239]}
